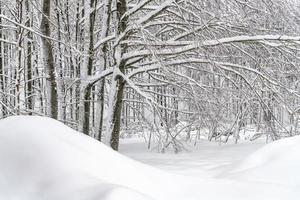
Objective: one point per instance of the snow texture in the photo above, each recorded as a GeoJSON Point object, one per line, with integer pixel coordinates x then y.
{"type": "Point", "coordinates": [42, 159]}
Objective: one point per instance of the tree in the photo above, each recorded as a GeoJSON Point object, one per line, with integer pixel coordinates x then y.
{"type": "Point", "coordinates": [49, 60]}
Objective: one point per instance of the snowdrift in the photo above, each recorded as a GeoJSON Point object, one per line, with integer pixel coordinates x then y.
{"type": "Point", "coordinates": [277, 162]}
{"type": "Point", "coordinates": [42, 159]}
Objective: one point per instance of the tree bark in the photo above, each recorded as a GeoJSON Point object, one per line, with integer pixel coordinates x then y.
{"type": "Point", "coordinates": [18, 68]}
{"type": "Point", "coordinates": [89, 67]}
{"type": "Point", "coordinates": [117, 89]}
{"type": "Point", "coordinates": [49, 61]}
{"type": "Point", "coordinates": [2, 79]}
{"type": "Point", "coordinates": [30, 105]}
{"type": "Point", "coordinates": [103, 64]}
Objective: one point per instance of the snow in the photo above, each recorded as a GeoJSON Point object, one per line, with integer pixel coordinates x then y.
{"type": "Point", "coordinates": [42, 159]}
{"type": "Point", "coordinates": [277, 163]}
{"type": "Point", "coordinates": [206, 159]}
{"type": "Point", "coordinates": [208, 43]}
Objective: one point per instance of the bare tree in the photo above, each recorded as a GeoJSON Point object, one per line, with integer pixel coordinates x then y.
{"type": "Point", "coordinates": [49, 60]}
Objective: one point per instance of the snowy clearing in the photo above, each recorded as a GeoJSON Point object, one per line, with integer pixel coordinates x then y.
{"type": "Point", "coordinates": [42, 159]}
{"type": "Point", "coordinates": [206, 159]}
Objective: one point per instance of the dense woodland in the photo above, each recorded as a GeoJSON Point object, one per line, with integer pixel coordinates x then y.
{"type": "Point", "coordinates": [171, 71]}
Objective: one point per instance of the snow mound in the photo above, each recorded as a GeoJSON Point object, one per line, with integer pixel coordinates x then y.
{"type": "Point", "coordinates": [42, 159]}
{"type": "Point", "coordinates": [277, 162]}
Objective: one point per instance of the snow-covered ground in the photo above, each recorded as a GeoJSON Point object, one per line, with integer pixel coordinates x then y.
{"type": "Point", "coordinates": [41, 159]}
{"type": "Point", "coordinates": [206, 159]}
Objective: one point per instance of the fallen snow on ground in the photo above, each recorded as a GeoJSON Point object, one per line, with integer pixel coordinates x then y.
{"type": "Point", "coordinates": [275, 163]}
{"type": "Point", "coordinates": [205, 159]}
{"type": "Point", "coordinates": [41, 159]}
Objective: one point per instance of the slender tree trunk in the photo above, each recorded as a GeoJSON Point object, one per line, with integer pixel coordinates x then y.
{"type": "Point", "coordinates": [2, 80]}
{"type": "Point", "coordinates": [30, 105]}
{"type": "Point", "coordinates": [114, 111]}
{"type": "Point", "coordinates": [60, 80]}
{"type": "Point", "coordinates": [18, 68]}
{"type": "Point", "coordinates": [49, 61]}
{"type": "Point", "coordinates": [88, 71]}
{"type": "Point", "coordinates": [117, 88]}
{"type": "Point", "coordinates": [101, 108]}
{"type": "Point", "coordinates": [103, 64]}
{"type": "Point", "coordinates": [114, 142]}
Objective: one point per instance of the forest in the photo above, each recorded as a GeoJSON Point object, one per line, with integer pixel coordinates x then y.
{"type": "Point", "coordinates": [171, 71]}
{"type": "Point", "coordinates": [149, 99]}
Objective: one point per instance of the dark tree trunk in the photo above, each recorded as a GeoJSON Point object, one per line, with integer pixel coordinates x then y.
{"type": "Point", "coordinates": [49, 61]}
{"type": "Point", "coordinates": [101, 99]}
{"type": "Point", "coordinates": [114, 143]}
{"type": "Point", "coordinates": [29, 104]}
{"type": "Point", "coordinates": [122, 24]}
{"type": "Point", "coordinates": [88, 90]}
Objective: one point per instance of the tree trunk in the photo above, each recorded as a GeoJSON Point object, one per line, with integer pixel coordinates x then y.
{"type": "Point", "coordinates": [18, 68]}
{"type": "Point", "coordinates": [117, 87]}
{"type": "Point", "coordinates": [2, 80]}
{"type": "Point", "coordinates": [60, 73]}
{"type": "Point", "coordinates": [30, 105]}
{"type": "Point", "coordinates": [101, 108]}
{"type": "Point", "coordinates": [114, 142]}
{"type": "Point", "coordinates": [103, 65]}
{"type": "Point", "coordinates": [114, 111]}
{"type": "Point", "coordinates": [49, 61]}
{"type": "Point", "coordinates": [86, 96]}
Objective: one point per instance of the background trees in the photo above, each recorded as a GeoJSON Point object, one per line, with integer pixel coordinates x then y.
{"type": "Point", "coordinates": [171, 68]}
